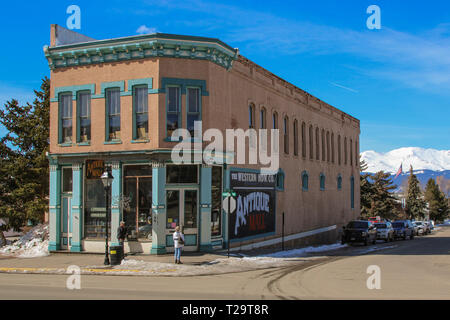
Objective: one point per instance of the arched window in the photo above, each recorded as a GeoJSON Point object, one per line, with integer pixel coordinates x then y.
{"type": "Point", "coordinates": [332, 147]}
{"type": "Point", "coordinates": [339, 149]}
{"type": "Point", "coordinates": [262, 118]}
{"type": "Point", "coordinates": [286, 134]}
{"type": "Point", "coordinates": [339, 182]}
{"type": "Point", "coordinates": [275, 120]}
{"type": "Point", "coordinates": [251, 116]}
{"type": "Point", "coordinates": [303, 140]}
{"type": "Point", "coordinates": [322, 182]}
{"type": "Point", "coordinates": [295, 137]}
{"type": "Point", "coordinates": [352, 192]}
{"type": "Point", "coordinates": [311, 142]}
{"type": "Point", "coordinates": [351, 152]}
{"type": "Point", "coordinates": [328, 146]}
{"type": "Point", "coordinates": [317, 144]}
{"type": "Point", "coordinates": [345, 150]}
{"type": "Point", "coordinates": [305, 178]}
{"type": "Point", "coordinates": [323, 145]}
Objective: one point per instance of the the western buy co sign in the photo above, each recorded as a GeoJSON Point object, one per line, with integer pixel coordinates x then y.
{"type": "Point", "coordinates": [94, 169]}
{"type": "Point", "coordinates": [255, 204]}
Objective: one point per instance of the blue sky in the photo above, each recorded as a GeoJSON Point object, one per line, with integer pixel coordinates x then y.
{"type": "Point", "coordinates": [395, 80]}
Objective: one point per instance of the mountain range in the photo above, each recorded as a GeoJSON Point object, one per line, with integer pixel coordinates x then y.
{"type": "Point", "coordinates": [426, 164]}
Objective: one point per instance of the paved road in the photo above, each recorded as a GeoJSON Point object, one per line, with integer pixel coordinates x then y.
{"type": "Point", "coordinates": [418, 269]}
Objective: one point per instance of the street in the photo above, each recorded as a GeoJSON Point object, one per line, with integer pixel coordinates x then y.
{"type": "Point", "coordinates": [410, 269]}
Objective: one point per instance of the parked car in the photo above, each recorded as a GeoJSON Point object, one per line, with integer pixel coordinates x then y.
{"type": "Point", "coordinates": [384, 231]}
{"type": "Point", "coordinates": [427, 227]}
{"type": "Point", "coordinates": [359, 231]}
{"type": "Point", "coordinates": [420, 231]}
{"type": "Point", "coordinates": [403, 229]}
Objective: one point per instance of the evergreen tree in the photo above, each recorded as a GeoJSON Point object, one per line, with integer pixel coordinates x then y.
{"type": "Point", "coordinates": [366, 190]}
{"type": "Point", "coordinates": [24, 175]}
{"type": "Point", "coordinates": [383, 201]}
{"type": "Point", "coordinates": [437, 202]}
{"type": "Point", "coordinates": [415, 205]}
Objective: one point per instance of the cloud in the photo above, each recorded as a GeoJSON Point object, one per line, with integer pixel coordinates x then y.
{"type": "Point", "coordinates": [145, 30]}
{"type": "Point", "coordinates": [420, 60]}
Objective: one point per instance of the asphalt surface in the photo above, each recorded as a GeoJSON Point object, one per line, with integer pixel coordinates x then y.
{"type": "Point", "coordinates": [409, 269]}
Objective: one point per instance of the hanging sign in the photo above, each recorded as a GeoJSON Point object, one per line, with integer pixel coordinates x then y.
{"type": "Point", "coordinates": [94, 169]}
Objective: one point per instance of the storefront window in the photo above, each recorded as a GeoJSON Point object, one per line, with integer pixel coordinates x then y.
{"type": "Point", "coordinates": [173, 208]}
{"type": "Point", "coordinates": [190, 208]}
{"type": "Point", "coordinates": [182, 174]}
{"type": "Point", "coordinates": [138, 199]}
{"type": "Point", "coordinates": [95, 209]}
{"type": "Point", "coordinates": [216, 199]}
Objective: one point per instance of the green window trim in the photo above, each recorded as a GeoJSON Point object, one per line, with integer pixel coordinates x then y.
{"type": "Point", "coordinates": [180, 107]}
{"type": "Point", "coordinates": [322, 182]}
{"type": "Point", "coordinates": [106, 89]}
{"type": "Point", "coordinates": [78, 115]}
{"type": "Point", "coordinates": [60, 120]}
{"type": "Point", "coordinates": [199, 112]}
{"type": "Point", "coordinates": [280, 180]}
{"type": "Point", "coordinates": [339, 182]}
{"type": "Point", "coordinates": [135, 84]}
{"type": "Point", "coordinates": [73, 89]}
{"type": "Point", "coordinates": [305, 181]}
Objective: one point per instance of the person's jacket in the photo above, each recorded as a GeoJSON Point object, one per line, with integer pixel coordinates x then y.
{"type": "Point", "coordinates": [121, 233]}
{"type": "Point", "coordinates": [176, 239]}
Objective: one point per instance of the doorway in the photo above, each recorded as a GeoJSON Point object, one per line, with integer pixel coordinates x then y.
{"type": "Point", "coordinates": [182, 210]}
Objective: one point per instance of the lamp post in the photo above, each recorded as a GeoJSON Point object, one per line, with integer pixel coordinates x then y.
{"type": "Point", "coordinates": [107, 179]}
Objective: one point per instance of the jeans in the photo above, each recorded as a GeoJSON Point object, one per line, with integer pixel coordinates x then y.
{"type": "Point", "coordinates": [177, 253]}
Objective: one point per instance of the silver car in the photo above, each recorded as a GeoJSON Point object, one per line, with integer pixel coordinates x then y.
{"type": "Point", "coordinates": [385, 231]}
{"type": "Point", "coordinates": [420, 228]}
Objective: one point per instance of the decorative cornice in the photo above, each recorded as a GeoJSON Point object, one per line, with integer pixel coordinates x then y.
{"type": "Point", "coordinates": [141, 47]}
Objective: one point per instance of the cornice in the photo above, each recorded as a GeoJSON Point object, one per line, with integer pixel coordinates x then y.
{"type": "Point", "coordinates": [141, 47]}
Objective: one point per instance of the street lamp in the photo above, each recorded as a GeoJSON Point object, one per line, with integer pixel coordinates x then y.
{"type": "Point", "coordinates": [107, 179]}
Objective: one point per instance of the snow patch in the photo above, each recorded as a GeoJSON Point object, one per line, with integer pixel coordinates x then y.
{"type": "Point", "coordinates": [32, 245]}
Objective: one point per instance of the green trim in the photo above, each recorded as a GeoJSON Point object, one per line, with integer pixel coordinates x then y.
{"type": "Point", "coordinates": [158, 250]}
{"type": "Point", "coordinates": [183, 84]}
{"type": "Point", "coordinates": [305, 173]}
{"type": "Point", "coordinates": [78, 116]}
{"type": "Point", "coordinates": [73, 89]}
{"type": "Point", "coordinates": [113, 142]}
{"type": "Point", "coordinates": [140, 47]}
{"type": "Point", "coordinates": [322, 181]}
{"type": "Point", "coordinates": [137, 82]}
{"type": "Point", "coordinates": [280, 180]}
{"type": "Point", "coordinates": [65, 145]}
{"type": "Point", "coordinates": [111, 85]}
{"type": "Point", "coordinates": [83, 144]}
{"type": "Point", "coordinates": [141, 141]}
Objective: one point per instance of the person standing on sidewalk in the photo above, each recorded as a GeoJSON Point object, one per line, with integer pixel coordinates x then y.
{"type": "Point", "coordinates": [178, 243]}
{"type": "Point", "coordinates": [121, 233]}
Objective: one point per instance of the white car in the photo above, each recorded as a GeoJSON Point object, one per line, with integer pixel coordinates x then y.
{"type": "Point", "coordinates": [384, 231]}
{"type": "Point", "coordinates": [420, 227]}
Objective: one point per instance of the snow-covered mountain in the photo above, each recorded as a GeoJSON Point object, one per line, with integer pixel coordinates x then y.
{"type": "Point", "coordinates": [419, 158]}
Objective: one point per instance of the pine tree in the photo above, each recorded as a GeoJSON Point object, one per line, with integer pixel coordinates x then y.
{"type": "Point", "coordinates": [415, 205]}
{"type": "Point", "coordinates": [383, 202]}
{"type": "Point", "coordinates": [24, 175]}
{"type": "Point", "coordinates": [437, 202]}
{"type": "Point", "coordinates": [366, 190]}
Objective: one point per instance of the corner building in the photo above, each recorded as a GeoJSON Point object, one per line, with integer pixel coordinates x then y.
{"type": "Point", "coordinates": [115, 103]}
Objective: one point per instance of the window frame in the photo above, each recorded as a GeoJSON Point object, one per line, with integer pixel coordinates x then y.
{"type": "Point", "coordinates": [188, 113]}
{"type": "Point", "coordinates": [134, 97]}
{"type": "Point", "coordinates": [61, 139]}
{"type": "Point", "coordinates": [108, 115]}
{"type": "Point", "coordinates": [303, 175]}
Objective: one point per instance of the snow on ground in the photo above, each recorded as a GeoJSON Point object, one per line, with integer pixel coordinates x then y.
{"type": "Point", "coordinates": [226, 265]}
{"type": "Point", "coordinates": [31, 245]}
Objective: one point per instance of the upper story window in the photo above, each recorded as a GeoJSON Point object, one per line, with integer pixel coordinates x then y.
{"type": "Point", "coordinates": [173, 110]}
{"type": "Point", "coordinates": [339, 182]}
{"type": "Point", "coordinates": [113, 114]}
{"type": "Point", "coordinates": [286, 134]}
{"type": "Point", "coordinates": [65, 120]}
{"type": "Point", "coordinates": [322, 182]}
{"type": "Point", "coordinates": [303, 140]}
{"type": "Point", "coordinates": [328, 146]}
{"type": "Point", "coordinates": [317, 144]}
{"type": "Point", "coordinates": [356, 153]}
{"type": "Point", "coordinates": [345, 150]}
{"type": "Point", "coordinates": [332, 147]}
{"type": "Point", "coordinates": [280, 180]}
{"type": "Point", "coordinates": [295, 137]}
{"type": "Point", "coordinates": [339, 149]}
{"type": "Point", "coordinates": [262, 115]}
{"type": "Point", "coordinates": [84, 116]}
{"type": "Point", "coordinates": [323, 145]}
{"type": "Point", "coordinates": [275, 120]}
{"type": "Point", "coordinates": [193, 108]}
{"type": "Point", "coordinates": [251, 116]}
{"type": "Point", "coordinates": [311, 142]}
{"type": "Point", "coordinates": [351, 152]}
{"type": "Point", "coordinates": [140, 109]}
{"type": "Point", "coordinates": [305, 182]}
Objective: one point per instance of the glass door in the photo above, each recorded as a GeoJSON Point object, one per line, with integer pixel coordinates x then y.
{"type": "Point", "coordinates": [66, 225]}
{"type": "Point", "coordinates": [182, 210]}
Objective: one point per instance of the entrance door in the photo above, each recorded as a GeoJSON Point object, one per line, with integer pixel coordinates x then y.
{"type": "Point", "coordinates": [182, 210]}
{"type": "Point", "coordinates": [66, 223]}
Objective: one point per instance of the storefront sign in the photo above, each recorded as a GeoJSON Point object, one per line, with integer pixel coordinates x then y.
{"type": "Point", "coordinates": [94, 169]}
{"type": "Point", "coordinates": [255, 204]}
